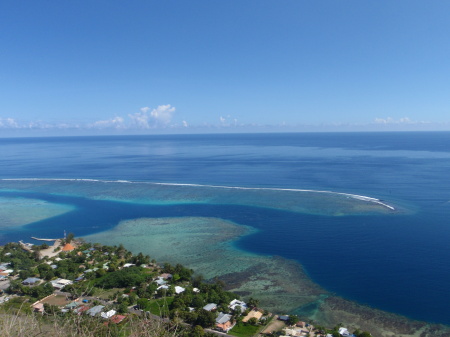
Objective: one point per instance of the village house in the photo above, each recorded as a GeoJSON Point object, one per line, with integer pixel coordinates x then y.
{"type": "Point", "coordinates": [67, 248]}
{"type": "Point", "coordinates": [81, 309]}
{"type": "Point", "coordinates": [38, 307]}
{"type": "Point", "coordinates": [6, 272]}
{"type": "Point", "coordinates": [343, 332]}
{"type": "Point", "coordinates": [236, 303]}
{"type": "Point", "coordinates": [160, 281]}
{"type": "Point", "coordinates": [60, 283]}
{"type": "Point", "coordinates": [108, 314]}
{"type": "Point", "coordinates": [95, 310]}
{"type": "Point", "coordinates": [117, 318]}
{"type": "Point", "coordinates": [4, 266]}
{"type": "Point", "coordinates": [179, 290]}
{"type": "Point", "coordinates": [31, 281]}
{"type": "Point", "coordinates": [72, 305]}
{"type": "Point", "coordinates": [165, 276]}
{"type": "Point", "coordinates": [223, 322]}
{"type": "Point", "coordinates": [283, 318]}
{"type": "Point", "coordinates": [210, 307]}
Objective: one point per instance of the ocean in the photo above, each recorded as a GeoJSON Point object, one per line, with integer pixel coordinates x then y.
{"type": "Point", "coordinates": [393, 259]}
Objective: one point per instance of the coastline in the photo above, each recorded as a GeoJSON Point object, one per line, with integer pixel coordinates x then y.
{"type": "Point", "coordinates": [281, 285]}
{"type": "Point", "coordinates": [279, 282]}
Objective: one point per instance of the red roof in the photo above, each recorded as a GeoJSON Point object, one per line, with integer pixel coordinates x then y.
{"type": "Point", "coordinates": [68, 247]}
{"type": "Point", "coordinates": [117, 318]}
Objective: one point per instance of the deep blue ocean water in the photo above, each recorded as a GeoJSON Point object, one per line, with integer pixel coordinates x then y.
{"type": "Point", "coordinates": [398, 263]}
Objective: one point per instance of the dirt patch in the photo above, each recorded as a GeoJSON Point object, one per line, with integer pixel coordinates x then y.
{"type": "Point", "coordinates": [57, 300]}
{"type": "Point", "coordinates": [274, 325]}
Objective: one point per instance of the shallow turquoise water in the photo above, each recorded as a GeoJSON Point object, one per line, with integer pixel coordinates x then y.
{"type": "Point", "coordinates": [396, 261]}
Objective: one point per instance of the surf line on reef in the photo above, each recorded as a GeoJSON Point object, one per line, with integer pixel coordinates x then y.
{"type": "Point", "coordinates": [354, 196]}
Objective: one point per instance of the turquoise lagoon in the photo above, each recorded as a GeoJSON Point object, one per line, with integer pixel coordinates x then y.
{"type": "Point", "coordinates": [257, 210]}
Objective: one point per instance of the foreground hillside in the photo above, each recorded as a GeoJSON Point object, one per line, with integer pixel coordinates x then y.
{"type": "Point", "coordinates": [75, 288]}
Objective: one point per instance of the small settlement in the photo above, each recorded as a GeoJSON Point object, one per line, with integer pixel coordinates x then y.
{"type": "Point", "coordinates": [78, 278]}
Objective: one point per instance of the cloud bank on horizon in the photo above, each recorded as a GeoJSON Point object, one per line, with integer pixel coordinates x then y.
{"type": "Point", "coordinates": [161, 118]}
{"type": "Point", "coordinates": [145, 119]}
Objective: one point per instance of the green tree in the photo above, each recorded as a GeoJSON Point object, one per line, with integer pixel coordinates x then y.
{"type": "Point", "coordinates": [205, 318]}
{"type": "Point", "coordinates": [252, 302]}
{"type": "Point", "coordinates": [50, 309]}
{"type": "Point", "coordinates": [23, 274]}
{"type": "Point", "coordinates": [197, 331]}
{"type": "Point", "coordinates": [122, 308]}
{"type": "Point", "coordinates": [143, 304]}
{"type": "Point", "coordinates": [253, 321]}
{"type": "Point", "coordinates": [69, 237]}
{"type": "Point", "coordinates": [292, 319]}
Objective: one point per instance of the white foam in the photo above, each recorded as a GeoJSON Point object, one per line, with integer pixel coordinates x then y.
{"type": "Point", "coordinates": [354, 196]}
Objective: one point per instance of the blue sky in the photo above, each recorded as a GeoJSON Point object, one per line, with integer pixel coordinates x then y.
{"type": "Point", "coordinates": [216, 66]}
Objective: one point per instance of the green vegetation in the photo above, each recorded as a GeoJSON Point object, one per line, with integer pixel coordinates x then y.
{"type": "Point", "coordinates": [292, 319]}
{"type": "Point", "coordinates": [244, 330]}
{"type": "Point", "coordinates": [128, 277]}
{"type": "Point", "coordinates": [130, 285]}
{"type": "Point", "coordinates": [359, 333]}
{"type": "Point", "coordinates": [160, 307]}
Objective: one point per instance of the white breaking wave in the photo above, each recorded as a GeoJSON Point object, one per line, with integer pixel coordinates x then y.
{"type": "Point", "coordinates": [354, 196]}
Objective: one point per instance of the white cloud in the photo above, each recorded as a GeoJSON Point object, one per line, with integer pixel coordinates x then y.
{"type": "Point", "coordinates": [228, 121]}
{"type": "Point", "coordinates": [161, 116]}
{"type": "Point", "coordinates": [9, 123]}
{"type": "Point", "coordinates": [140, 120]}
{"type": "Point", "coordinates": [116, 123]}
{"type": "Point", "coordinates": [403, 120]}
{"type": "Point", "coordinates": [163, 113]}
{"type": "Point", "coordinates": [185, 124]}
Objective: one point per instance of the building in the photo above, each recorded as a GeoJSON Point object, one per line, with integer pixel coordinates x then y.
{"type": "Point", "coordinates": [72, 305]}
{"type": "Point", "coordinates": [236, 303]}
{"type": "Point", "coordinates": [68, 247]}
{"type": "Point", "coordinates": [223, 322]}
{"type": "Point", "coordinates": [210, 307]}
{"type": "Point", "coordinates": [160, 281]}
{"type": "Point", "coordinates": [60, 283]}
{"type": "Point", "coordinates": [31, 281]}
{"type": "Point", "coordinates": [38, 307]}
{"type": "Point", "coordinates": [108, 314]}
{"type": "Point", "coordinates": [179, 290]}
{"type": "Point", "coordinates": [95, 310]}
{"type": "Point", "coordinates": [81, 309]}
{"type": "Point", "coordinates": [4, 266]}
{"type": "Point", "coordinates": [343, 332]}
{"type": "Point", "coordinates": [117, 318]}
